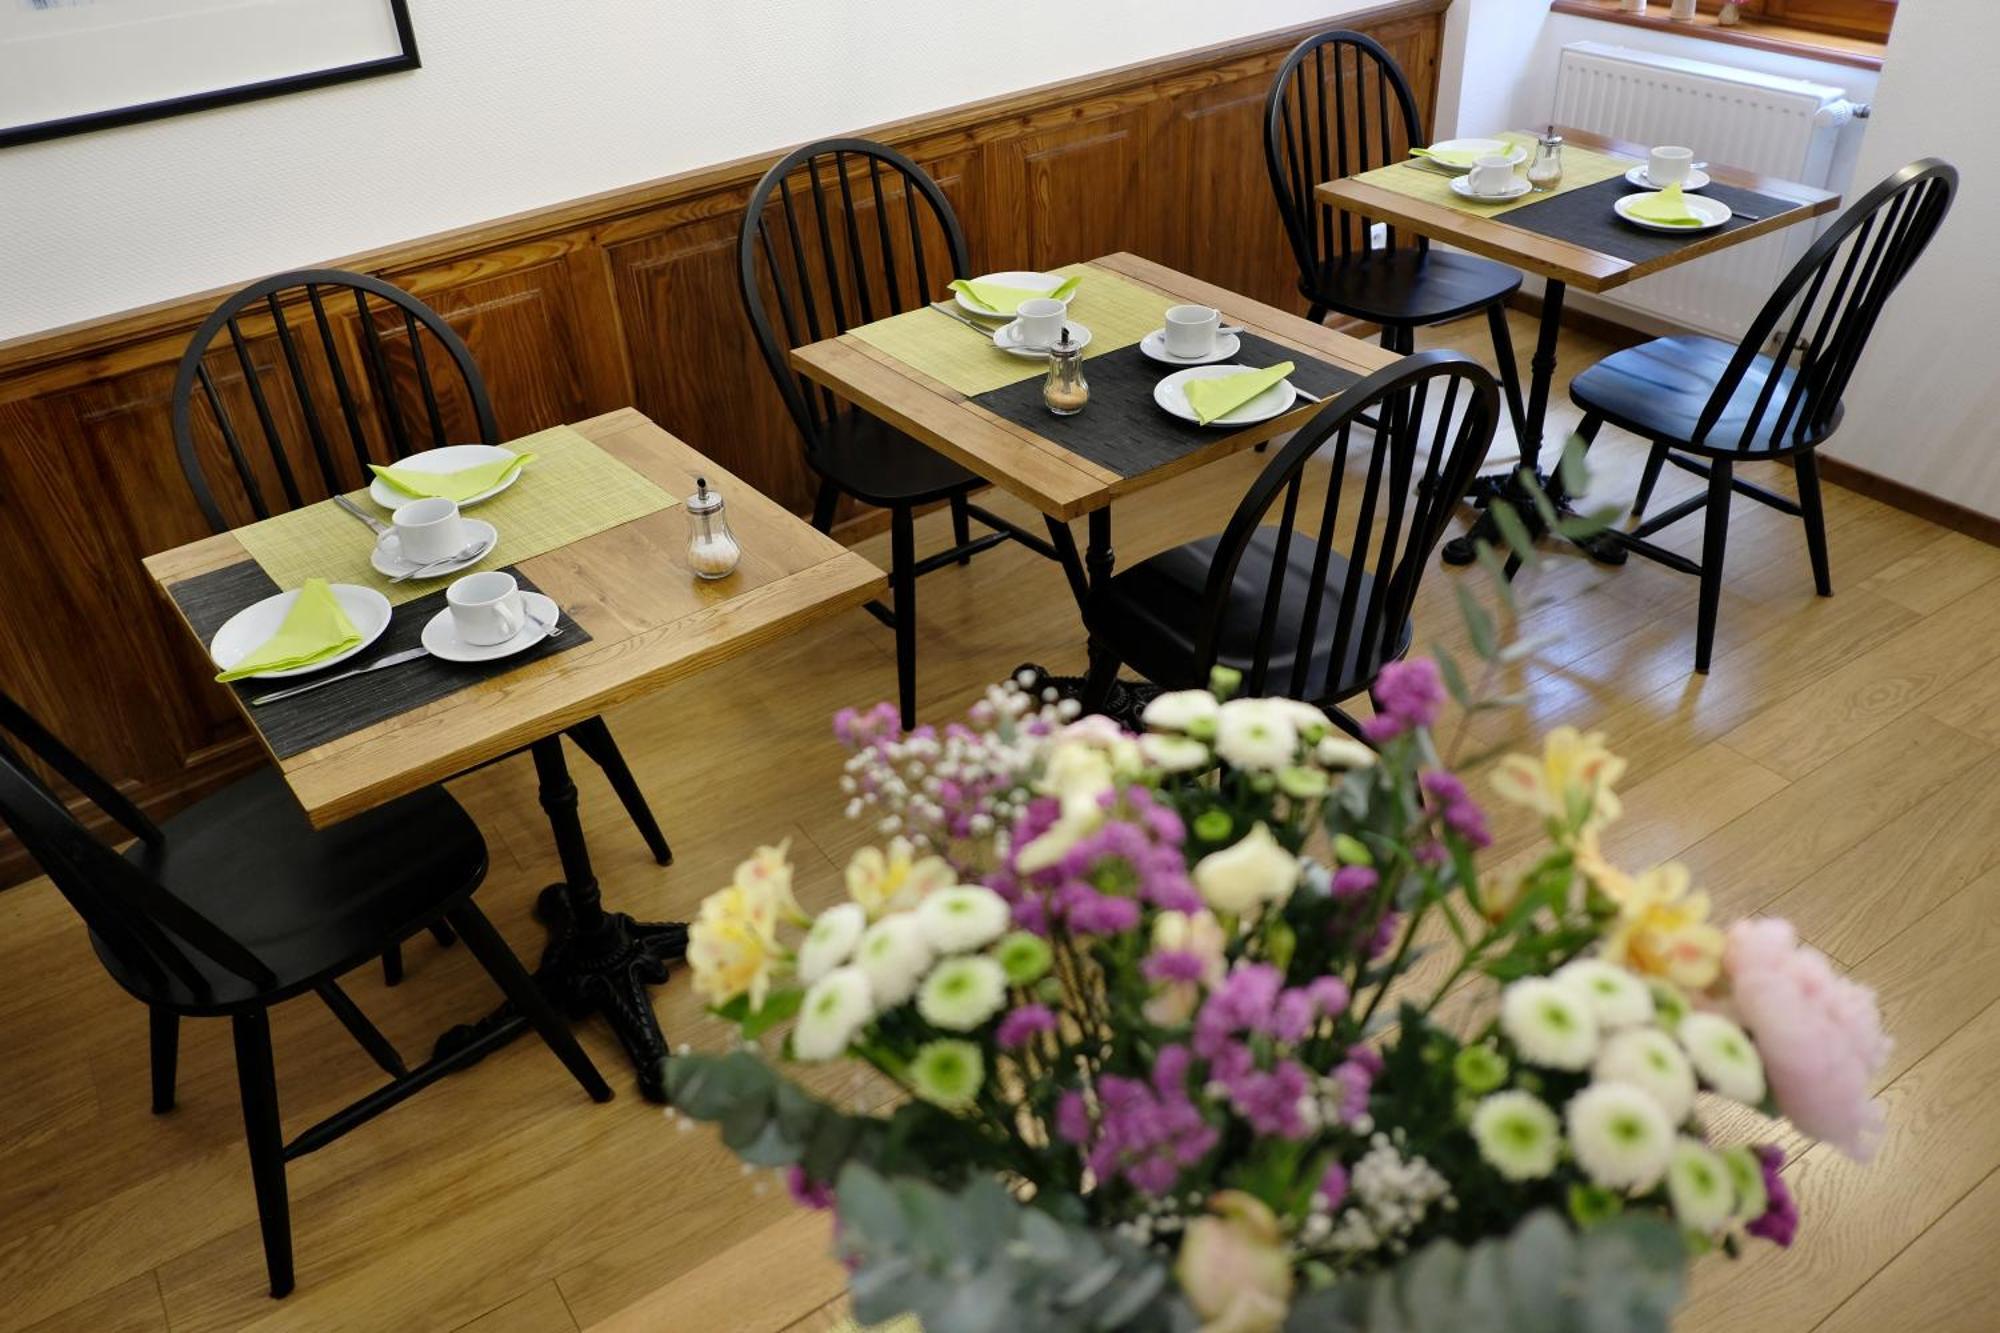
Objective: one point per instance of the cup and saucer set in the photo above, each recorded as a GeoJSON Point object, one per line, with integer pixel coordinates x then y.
{"type": "Point", "coordinates": [1668, 179]}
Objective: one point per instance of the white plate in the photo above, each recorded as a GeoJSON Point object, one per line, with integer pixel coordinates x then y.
{"type": "Point", "coordinates": [1477, 147]}
{"type": "Point", "coordinates": [1696, 180]}
{"type": "Point", "coordinates": [387, 556]}
{"type": "Point", "coordinates": [441, 636]}
{"type": "Point", "coordinates": [1713, 213]}
{"type": "Point", "coordinates": [1027, 282]}
{"type": "Point", "coordinates": [1462, 186]}
{"type": "Point", "coordinates": [1008, 339]}
{"type": "Point", "coordinates": [1154, 345]}
{"type": "Point", "coordinates": [1171, 393]}
{"type": "Point", "coordinates": [448, 459]}
{"type": "Point", "coordinates": [252, 627]}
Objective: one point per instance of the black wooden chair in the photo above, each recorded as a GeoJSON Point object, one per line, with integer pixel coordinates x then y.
{"type": "Point", "coordinates": [1319, 126]}
{"type": "Point", "coordinates": [838, 233]}
{"type": "Point", "coordinates": [1299, 608]}
{"type": "Point", "coordinates": [313, 420]}
{"type": "Point", "coordinates": [1726, 405]}
{"type": "Point", "coordinates": [236, 904]}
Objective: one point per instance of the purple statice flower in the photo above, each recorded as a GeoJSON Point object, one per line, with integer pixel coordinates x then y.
{"type": "Point", "coordinates": [1148, 1131]}
{"type": "Point", "coordinates": [807, 1192]}
{"type": "Point", "coordinates": [1072, 1118]}
{"type": "Point", "coordinates": [1385, 934]}
{"type": "Point", "coordinates": [1254, 1002]}
{"type": "Point", "coordinates": [1368, 1058]}
{"type": "Point", "coordinates": [1244, 1002]}
{"type": "Point", "coordinates": [1100, 883]}
{"type": "Point", "coordinates": [1294, 1015]}
{"type": "Point", "coordinates": [1089, 912]}
{"type": "Point", "coordinates": [1023, 1024]}
{"type": "Point", "coordinates": [1780, 1221]}
{"type": "Point", "coordinates": [1330, 995]}
{"type": "Point", "coordinates": [1173, 965]}
{"type": "Point", "coordinates": [1332, 1189]}
{"type": "Point", "coordinates": [1270, 1100]}
{"type": "Point", "coordinates": [1354, 1081]}
{"type": "Point", "coordinates": [1407, 696]}
{"type": "Point", "coordinates": [1355, 881]}
{"type": "Point", "coordinates": [1447, 796]}
{"type": "Point", "coordinates": [856, 728]}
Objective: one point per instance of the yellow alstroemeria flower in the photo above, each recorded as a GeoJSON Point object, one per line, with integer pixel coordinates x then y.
{"type": "Point", "coordinates": [1574, 767]}
{"type": "Point", "coordinates": [732, 949]}
{"type": "Point", "coordinates": [895, 880]}
{"type": "Point", "coordinates": [768, 875]}
{"type": "Point", "coordinates": [1662, 927]}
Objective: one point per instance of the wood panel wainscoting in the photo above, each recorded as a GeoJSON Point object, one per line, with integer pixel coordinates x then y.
{"type": "Point", "coordinates": [624, 298]}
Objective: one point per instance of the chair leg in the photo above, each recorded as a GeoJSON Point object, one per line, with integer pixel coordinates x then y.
{"type": "Point", "coordinates": [380, 1049]}
{"type": "Point", "coordinates": [257, 1079]}
{"type": "Point", "coordinates": [1807, 466]}
{"type": "Point", "coordinates": [593, 737]}
{"type": "Point", "coordinates": [1316, 312]}
{"type": "Point", "coordinates": [961, 525]}
{"type": "Point", "coordinates": [520, 988]}
{"type": "Point", "coordinates": [392, 965]}
{"type": "Point", "coordinates": [1510, 370]}
{"type": "Point", "coordinates": [1713, 542]}
{"type": "Point", "coordinates": [165, 1030]}
{"type": "Point", "coordinates": [824, 504]}
{"type": "Point", "coordinates": [1654, 461]}
{"type": "Point", "coordinates": [442, 934]}
{"type": "Point", "coordinates": [903, 583]}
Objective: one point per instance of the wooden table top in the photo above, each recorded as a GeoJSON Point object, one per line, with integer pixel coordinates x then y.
{"type": "Point", "coordinates": [1040, 471]}
{"type": "Point", "coordinates": [1565, 261]}
{"type": "Point", "coordinates": [650, 620]}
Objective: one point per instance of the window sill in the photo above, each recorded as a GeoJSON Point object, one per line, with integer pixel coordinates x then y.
{"type": "Point", "coordinates": [1757, 34]}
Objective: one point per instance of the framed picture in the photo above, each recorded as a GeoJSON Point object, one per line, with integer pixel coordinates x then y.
{"type": "Point", "coordinates": [70, 66]}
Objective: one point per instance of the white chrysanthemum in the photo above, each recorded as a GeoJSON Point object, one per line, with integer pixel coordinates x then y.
{"type": "Point", "coordinates": [1550, 1025]}
{"type": "Point", "coordinates": [1253, 870]}
{"type": "Point", "coordinates": [962, 993]}
{"type": "Point", "coordinates": [1620, 1136]}
{"type": "Point", "coordinates": [894, 955]}
{"type": "Point", "coordinates": [1651, 1061]}
{"type": "Point", "coordinates": [1518, 1135]}
{"type": "Point", "coordinates": [1338, 751]}
{"type": "Point", "coordinates": [1178, 710]}
{"type": "Point", "coordinates": [1699, 1185]}
{"type": "Point", "coordinates": [961, 919]}
{"type": "Point", "coordinates": [1724, 1056]}
{"type": "Point", "coordinates": [1256, 734]}
{"type": "Point", "coordinates": [1618, 998]}
{"type": "Point", "coordinates": [1174, 754]}
{"type": "Point", "coordinates": [836, 1007]}
{"type": "Point", "coordinates": [831, 940]}
{"type": "Point", "coordinates": [1311, 723]}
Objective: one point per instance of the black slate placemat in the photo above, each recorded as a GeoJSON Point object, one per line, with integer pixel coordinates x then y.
{"type": "Point", "coordinates": [1122, 428]}
{"type": "Point", "coordinates": [295, 725]}
{"type": "Point", "coordinates": [1585, 217]}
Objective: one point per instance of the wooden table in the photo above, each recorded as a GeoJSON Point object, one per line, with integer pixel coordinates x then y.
{"type": "Point", "coordinates": [1058, 483]}
{"type": "Point", "coordinates": [1562, 263]}
{"type": "Point", "coordinates": [651, 622]}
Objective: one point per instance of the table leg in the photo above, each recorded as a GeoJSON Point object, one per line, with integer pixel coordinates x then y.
{"type": "Point", "coordinates": [595, 961]}
{"type": "Point", "coordinates": [1089, 574]}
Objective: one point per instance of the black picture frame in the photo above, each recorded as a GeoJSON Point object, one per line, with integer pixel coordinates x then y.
{"type": "Point", "coordinates": [406, 59]}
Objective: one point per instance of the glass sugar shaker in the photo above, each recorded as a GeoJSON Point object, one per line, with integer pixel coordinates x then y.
{"type": "Point", "coordinates": [712, 548]}
{"type": "Point", "coordinates": [1065, 390]}
{"type": "Point", "coordinates": [1546, 171]}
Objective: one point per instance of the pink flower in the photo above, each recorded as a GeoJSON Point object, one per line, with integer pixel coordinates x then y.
{"type": "Point", "coordinates": [1820, 1034]}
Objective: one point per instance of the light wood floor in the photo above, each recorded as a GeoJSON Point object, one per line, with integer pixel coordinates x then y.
{"type": "Point", "coordinates": [1841, 765]}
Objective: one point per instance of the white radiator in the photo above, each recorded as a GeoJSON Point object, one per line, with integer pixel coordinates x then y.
{"type": "Point", "coordinates": [1781, 127]}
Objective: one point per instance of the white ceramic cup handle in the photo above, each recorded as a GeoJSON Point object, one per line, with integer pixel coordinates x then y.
{"type": "Point", "coordinates": [513, 615]}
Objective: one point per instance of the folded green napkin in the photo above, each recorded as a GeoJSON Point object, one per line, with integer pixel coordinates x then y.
{"type": "Point", "coordinates": [460, 485]}
{"type": "Point", "coordinates": [314, 629]}
{"type": "Point", "coordinates": [1222, 395]}
{"type": "Point", "coordinates": [1451, 157]}
{"type": "Point", "coordinates": [1007, 300]}
{"type": "Point", "coordinates": [1665, 207]}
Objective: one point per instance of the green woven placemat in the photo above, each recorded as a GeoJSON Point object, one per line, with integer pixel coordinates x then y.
{"type": "Point", "coordinates": [1581, 167]}
{"type": "Point", "coordinates": [572, 490]}
{"type": "Point", "coordinates": [1118, 313]}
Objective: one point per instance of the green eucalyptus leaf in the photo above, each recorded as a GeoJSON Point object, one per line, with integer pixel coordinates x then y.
{"type": "Point", "coordinates": [1478, 622]}
{"type": "Point", "coordinates": [1514, 532]}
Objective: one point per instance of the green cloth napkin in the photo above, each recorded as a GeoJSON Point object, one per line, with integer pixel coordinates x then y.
{"type": "Point", "coordinates": [460, 485]}
{"type": "Point", "coordinates": [1222, 395]}
{"type": "Point", "coordinates": [1451, 157]}
{"type": "Point", "coordinates": [314, 629]}
{"type": "Point", "coordinates": [1665, 207]}
{"type": "Point", "coordinates": [1007, 300]}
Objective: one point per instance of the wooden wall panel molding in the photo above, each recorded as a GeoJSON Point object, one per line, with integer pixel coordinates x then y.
{"type": "Point", "coordinates": [627, 297]}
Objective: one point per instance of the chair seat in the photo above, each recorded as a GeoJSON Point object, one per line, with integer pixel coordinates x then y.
{"type": "Point", "coordinates": [873, 461]}
{"type": "Point", "coordinates": [309, 903]}
{"type": "Point", "coordinates": [1414, 287]}
{"type": "Point", "coordinates": [1659, 389]}
{"type": "Point", "coordinates": [1153, 618]}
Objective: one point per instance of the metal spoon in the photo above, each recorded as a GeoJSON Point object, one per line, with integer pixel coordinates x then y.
{"type": "Point", "coordinates": [471, 552]}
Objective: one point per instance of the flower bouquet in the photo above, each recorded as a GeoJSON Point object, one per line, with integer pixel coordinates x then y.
{"type": "Point", "coordinates": [1221, 1027]}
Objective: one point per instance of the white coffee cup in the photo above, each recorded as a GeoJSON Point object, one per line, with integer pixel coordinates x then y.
{"type": "Point", "coordinates": [1491, 174]}
{"type": "Point", "coordinates": [429, 531]}
{"type": "Point", "coordinates": [486, 608]}
{"type": "Point", "coordinates": [1039, 321]}
{"type": "Point", "coordinates": [1669, 166]}
{"type": "Point", "coordinates": [1191, 329]}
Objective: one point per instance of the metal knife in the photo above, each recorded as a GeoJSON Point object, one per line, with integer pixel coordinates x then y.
{"type": "Point", "coordinates": [376, 525]}
{"type": "Point", "coordinates": [945, 308]}
{"type": "Point", "coordinates": [393, 659]}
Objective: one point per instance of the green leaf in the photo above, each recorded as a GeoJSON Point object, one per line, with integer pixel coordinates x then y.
{"type": "Point", "coordinates": [1587, 525]}
{"type": "Point", "coordinates": [779, 1005]}
{"type": "Point", "coordinates": [1454, 679]}
{"type": "Point", "coordinates": [1478, 623]}
{"type": "Point", "coordinates": [1514, 532]}
{"type": "Point", "coordinates": [1572, 468]}
{"type": "Point", "coordinates": [1503, 587]}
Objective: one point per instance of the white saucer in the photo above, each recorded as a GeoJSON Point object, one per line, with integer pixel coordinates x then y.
{"type": "Point", "coordinates": [1462, 187]}
{"type": "Point", "coordinates": [1008, 339]}
{"type": "Point", "coordinates": [1712, 212]}
{"type": "Point", "coordinates": [252, 627]}
{"type": "Point", "coordinates": [1024, 281]}
{"type": "Point", "coordinates": [1697, 179]}
{"type": "Point", "coordinates": [440, 636]}
{"type": "Point", "coordinates": [448, 459]}
{"type": "Point", "coordinates": [1171, 393]}
{"type": "Point", "coordinates": [1154, 346]}
{"type": "Point", "coordinates": [387, 557]}
{"type": "Point", "coordinates": [1513, 152]}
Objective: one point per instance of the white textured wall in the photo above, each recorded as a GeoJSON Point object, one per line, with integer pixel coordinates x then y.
{"type": "Point", "coordinates": [528, 102]}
